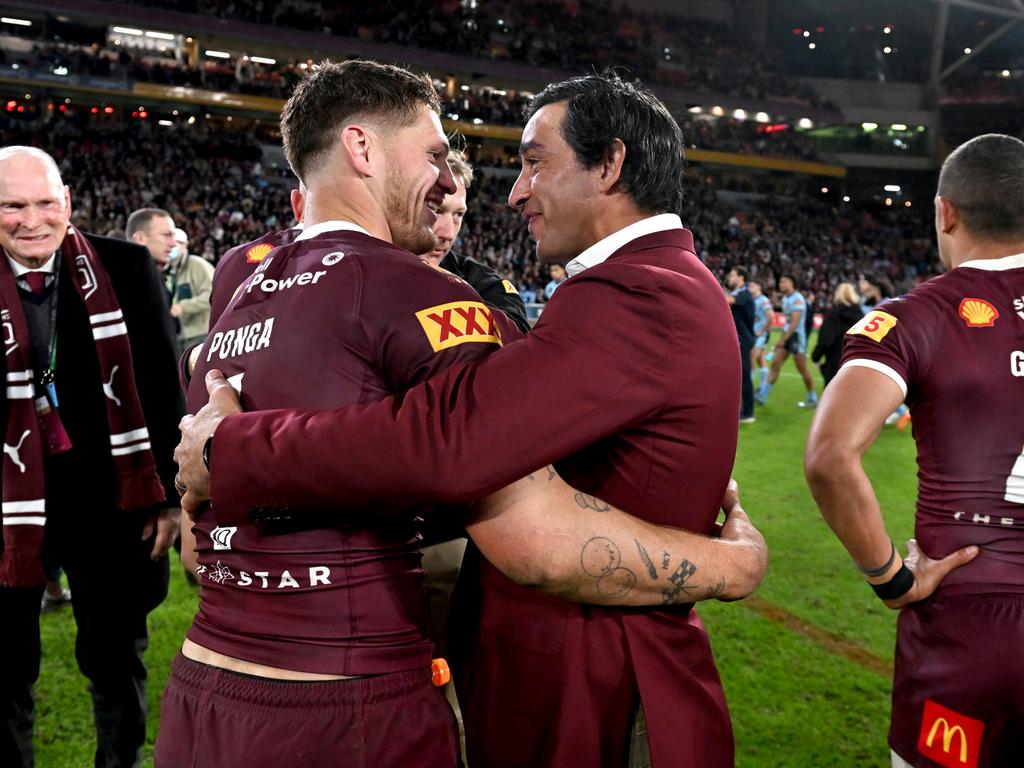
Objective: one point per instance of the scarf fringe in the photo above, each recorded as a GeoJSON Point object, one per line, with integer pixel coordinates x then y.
{"type": "Point", "coordinates": [140, 490]}
{"type": "Point", "coordinates": [21, 567]}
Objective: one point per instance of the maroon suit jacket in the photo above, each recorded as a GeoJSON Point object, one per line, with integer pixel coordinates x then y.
{"type": "Point", "coordinates": [631, 382]}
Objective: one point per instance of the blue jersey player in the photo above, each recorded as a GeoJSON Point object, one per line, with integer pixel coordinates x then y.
{"type": "Point", "coordinates": [793, 342]}
{"type": "Point", "coordinates": [764, 319]}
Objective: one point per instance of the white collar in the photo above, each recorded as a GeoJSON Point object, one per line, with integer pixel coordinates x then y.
{"type": "Point", "coordinates": [996, 265]}
{"type": "Point", "coordinates": [330, 226]}
{"type": "Point", "coordinates": [21, 269]}
{"type": "Point", "coordinates": [602, 249]}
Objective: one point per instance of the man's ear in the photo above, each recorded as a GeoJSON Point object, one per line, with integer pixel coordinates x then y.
{"type": "Point", "coordinates": [611, 165]}
{"type": "Point", "coordinates": [946, 215]}
{"type": "Point", "coordinates": [360, 146]}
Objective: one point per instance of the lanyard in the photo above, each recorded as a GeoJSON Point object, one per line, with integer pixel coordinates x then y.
{"type": "Point", "coordinates": [49, 376]}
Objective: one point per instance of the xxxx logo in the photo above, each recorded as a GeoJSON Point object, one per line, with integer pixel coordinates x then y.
{"type": "Point", "coordinates": [459, 322]}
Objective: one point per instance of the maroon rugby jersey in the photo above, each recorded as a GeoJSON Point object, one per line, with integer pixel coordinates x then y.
{"type": "Point", "coordinates": [240, 262]}
{"type": "Point", "coordinates": [632, 378]}
{"type": "Point", "coordinates": [955, 345]}
{"type": "Point", "coordinates": [336, 318]}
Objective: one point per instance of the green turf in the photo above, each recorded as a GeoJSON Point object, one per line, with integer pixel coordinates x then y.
{"type": "Point", "coordinates": [793, 702]}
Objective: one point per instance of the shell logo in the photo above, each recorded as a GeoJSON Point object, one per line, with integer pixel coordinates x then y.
{"type": "Point", "coordinates": [978, 313]}
{"type": "Point", "coordinates": [257, 253]}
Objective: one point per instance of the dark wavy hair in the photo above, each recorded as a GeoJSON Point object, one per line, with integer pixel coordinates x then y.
{"type": "Point", "coordinates": [604, 107]}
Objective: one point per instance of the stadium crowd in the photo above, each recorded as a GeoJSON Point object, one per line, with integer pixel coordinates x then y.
{"type": "Point", "coordinates": [211, 181]}
{"type": "Point", "coordinates": [661, 47]}
{"type": "Point", "coordinates": [810, 239]}
{"type": "Point", "coordinates": [228, 196]}
{"type": "Point", "coordinates": [471, 103]}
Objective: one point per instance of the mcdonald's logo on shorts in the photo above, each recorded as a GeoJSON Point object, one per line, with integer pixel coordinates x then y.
{"type": "Point", "coordinates": [949, 738]}
{"type": "Point", "coordinates": [458, 322]}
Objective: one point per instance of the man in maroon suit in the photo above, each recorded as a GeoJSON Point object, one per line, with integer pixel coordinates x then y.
{"type": "Point", "coordinates": [631, 382]}
{"type": "Point", "coordinates": [952, 348]}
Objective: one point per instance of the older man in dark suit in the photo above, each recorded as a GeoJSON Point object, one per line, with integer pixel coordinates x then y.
{"type": "Point", "coordinates": [92, 402]}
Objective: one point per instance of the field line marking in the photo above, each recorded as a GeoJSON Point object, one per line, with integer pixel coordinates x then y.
{"type": "Point", "coordinates": [832, 642]}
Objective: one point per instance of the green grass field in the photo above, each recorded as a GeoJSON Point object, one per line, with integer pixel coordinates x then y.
{"type": "Point", "coordinates": [806, 665]}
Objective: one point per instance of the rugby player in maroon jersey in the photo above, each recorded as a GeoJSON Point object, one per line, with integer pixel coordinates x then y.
{"type": "Point", "coordinates": [953, 350]}
{"type": "Point", "coordinates": [607, 385]}
{"type": "Point", "coordinates": [343, 316]}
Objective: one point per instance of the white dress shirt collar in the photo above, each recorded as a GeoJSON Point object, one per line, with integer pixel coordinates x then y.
{"type": "Point", "coordinates": [20, 269]}
{"type": "Point", "coordinates": [602, 249]}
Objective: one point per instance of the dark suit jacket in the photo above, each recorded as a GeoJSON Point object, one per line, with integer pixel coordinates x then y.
{"type": "Point", "coordinates": [743, 315]}
{"type": "Point", "coordinates": [82, 480]}
{"type": "Point", "coordinates": [829, 349]}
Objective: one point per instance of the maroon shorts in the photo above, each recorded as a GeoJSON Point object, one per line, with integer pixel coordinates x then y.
{"type": "Point", "coordinates": [213, 717]}
{"type": "Point", "coordinates": [958, 691]}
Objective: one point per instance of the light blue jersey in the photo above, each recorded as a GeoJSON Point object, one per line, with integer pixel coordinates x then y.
{"type": "Point", "coordinates": [761, 306]}
{"type": "Point", "coordinates": [791, 304]}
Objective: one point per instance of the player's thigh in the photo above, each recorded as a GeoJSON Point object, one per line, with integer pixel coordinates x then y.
{"type": "Point", "coordinates": [958, 687]}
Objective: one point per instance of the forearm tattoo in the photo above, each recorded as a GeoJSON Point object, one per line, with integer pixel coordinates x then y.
{"type": "Point", "coordinates": [678, 579]}
{"type": "Point", "coordinates": [601, 559]}
{"type": "Point", "coordinates": [651, 570]}
{"type": "Point", "coordinates": [586, 501]}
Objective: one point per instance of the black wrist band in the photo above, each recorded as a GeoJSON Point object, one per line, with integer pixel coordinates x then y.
{"type": "Point", "coordinates": [206, 452]}
{"type": "Point", "coordinates": [874, 572]}
{"type": "Point", "coordinates": [896, 587]}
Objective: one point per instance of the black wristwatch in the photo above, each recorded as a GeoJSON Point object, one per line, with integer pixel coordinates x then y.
{"type": "Point", "coordinates": [206, 452]}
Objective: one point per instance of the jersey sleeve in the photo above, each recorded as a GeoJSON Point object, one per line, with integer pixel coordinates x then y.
{"type": "Point", "coordinates": [430, 321]}
{"type": "Point", "coordinates": [896, 339]}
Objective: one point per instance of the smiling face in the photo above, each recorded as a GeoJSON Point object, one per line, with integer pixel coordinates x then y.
{"type": "Point", "coordinates": [34, 209]}
{"type": "Point", "coordinates": [416, 181]}
{"type": "Point", "coordinates": [556, 195]}
{"type": "Point", "coordinates": [448, 224]}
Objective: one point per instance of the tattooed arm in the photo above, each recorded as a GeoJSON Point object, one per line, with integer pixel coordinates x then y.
{"type": "Point", "coordinates": [541, 533]}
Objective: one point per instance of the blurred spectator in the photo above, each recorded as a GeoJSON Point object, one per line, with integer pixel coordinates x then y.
{"type": "Point", "coordinates": [557, 273]}
{"type": "Point", "coordinates": [844, 313]}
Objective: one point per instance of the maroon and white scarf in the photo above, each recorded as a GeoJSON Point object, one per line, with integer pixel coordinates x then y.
{"type": "Point", "coordinates": [24, 502]}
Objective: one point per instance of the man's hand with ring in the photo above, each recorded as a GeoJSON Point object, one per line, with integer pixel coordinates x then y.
{"type": "Point", "coordinates": [195, 431]}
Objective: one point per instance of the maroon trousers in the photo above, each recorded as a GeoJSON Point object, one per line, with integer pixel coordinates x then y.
{"type": "Point", "coordinates": [213, 717]}
{"type": "Point", "coordinates": [544, 682]}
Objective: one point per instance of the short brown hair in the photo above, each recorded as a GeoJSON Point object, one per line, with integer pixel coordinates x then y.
{"type": "Point", "coordinates": [140, 219]}
{"type": "Point", "coordinates": [335, 93]}
{"type": "Point", "coordinates": [461, 169]}
{"type": "Point", "coordinates": [984, 180]}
